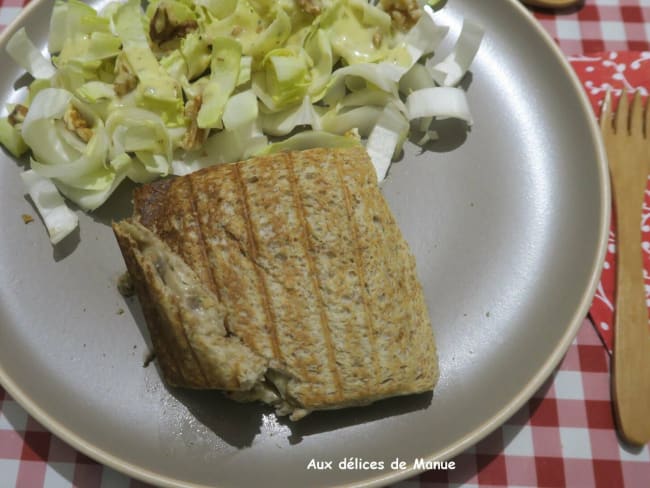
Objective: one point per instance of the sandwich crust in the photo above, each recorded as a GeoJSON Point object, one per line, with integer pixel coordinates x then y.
{"type": "Point", "coordinates": [303, 267]}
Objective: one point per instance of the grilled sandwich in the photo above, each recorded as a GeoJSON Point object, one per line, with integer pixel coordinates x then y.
{"type": "Point", "coordinates": [284, 279]}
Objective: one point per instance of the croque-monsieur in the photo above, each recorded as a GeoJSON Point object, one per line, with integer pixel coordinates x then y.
{"type": "Point", "coordinates": [284, 279]}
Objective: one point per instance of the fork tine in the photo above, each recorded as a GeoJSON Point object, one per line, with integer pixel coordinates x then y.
{"type": "Point", "coordinates": [606, 113]}
{"type": "Point", "coordinates": [636, 115]}
{"type": "Point", "coordinates": [622, 114]}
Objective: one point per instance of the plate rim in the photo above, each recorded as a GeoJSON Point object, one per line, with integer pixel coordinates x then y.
{"type": "Point", "coordinates": [473, 437]}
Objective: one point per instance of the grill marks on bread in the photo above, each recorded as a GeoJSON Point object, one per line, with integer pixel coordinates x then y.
{"type": "Point", "coordinates": [253, 256]}
{"type": "Point", "coordinates": [334, 242]}
{"type": "Point", "coordinates": [279, 228]}
{"type": "Point", "coordinates": [185, 318]}
{"type": "Point", "coordinates": [305, 232]}
{"type": "Point", "coordinates": [358, 290]}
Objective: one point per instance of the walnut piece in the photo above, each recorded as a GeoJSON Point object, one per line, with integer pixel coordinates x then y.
{"type": "Point", "coordinates": [377, 37]}
{"type": "Point", "coordinates": [310, 7]}
{"type": "Point", "coordinates": [17, 115]}
{"type": "Point", "coordinates": [75, 122]}
{"type": "Point", "coordinates": [195, 136]}
{"type": "Point", "coordinates": [163, 27]}
{"type": "Point", "coordinates": [125, 79]}
{"type": "Point", "coordinates": [405, 13]}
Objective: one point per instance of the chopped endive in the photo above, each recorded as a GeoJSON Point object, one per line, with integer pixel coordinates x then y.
{"type": "Point", "coordinates": [319, 50]}
{"type": "Point", "coordinates": [91, 199]}
{"type": "Point", "coordinates": [439, 102]}
{"type": "Point", "coordinates": [163, 14]}
{"type": "Point", "coordinates": [245, 67]}
{"type": "Point", "coordinates": [39, 129]}
{"type": "Point", "coordinates": [425, 36]}
{"type": "Point", "coordinates": [73, 19]}
{"type": "Point", "coordinates": [35, 87]}
{"type": "Point", "coordinates": [70, 146]}
{"type": "Point", "coordinates": [416, 78]}
{"type": "Point", "coordinates": [272, 37]}
{"type": "Point", "coordinates": [86, 172]}
{"type": "Point", "coordinates": [309, 139]}
{"type": "Point", "coordinates": [140, 131]}
{"type": "Point", "coordinates": [287, 76]}
{"type": "Point", "coordinates": [384, 76]}
{"type": "Point", "coordinates": [24, 53]}
{"type": "Point", "coordinates": [363, 119]}
{"type": "Point", "coordinates": [366, 96]}
{"type": "Point", "coordinates": [174, 64]}
{"type": "Point", "coordinates": [225, 146]}
{"type": "Point", "coordinates": [243, 23]}
{"type": "Point", "coordinates": [372, 14]}
{"type": "Point", "coordinates": [59, 220]}
{"type": "Point", "coordinates": [386, 139]}
{"type": "Point", "coordinates": [451, 70]}
{"type": "Point", "coordinates": [241, 109]}
{"type": "Point", "coordinates": [225, 64]}
{"type": "Point", "coordinates": [11, 139]}
{"type": "Point", "coordinates": [350, 40]}
{"type": "Point", "coordinates": [219, 8]}
{"type": "Point", "coordinates": [140, 90]}
{"type": "Point", "coordinates": [282, 123]}
{"type": "Point", "coordinates": [94, 91]}
{"type": "Point", "coordinates": [90, 50]}
{"type": "Point", "coordinates": [156, 89]}
{"type": "Point", "coordinates": [195, 50]}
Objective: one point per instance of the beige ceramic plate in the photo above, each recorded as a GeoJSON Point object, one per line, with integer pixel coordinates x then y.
{"type": "Point", "coordinates": [508, 224]}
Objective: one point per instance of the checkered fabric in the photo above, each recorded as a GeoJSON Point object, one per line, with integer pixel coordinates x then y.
{"type": "Point", "coordinates": [9, 10]}
{"type": "Point", "coordinates": [599, 25]}
{"type": "Point", "coordinates": [564, 436]}
{"type": "Point", "coordinates": [31, 457]}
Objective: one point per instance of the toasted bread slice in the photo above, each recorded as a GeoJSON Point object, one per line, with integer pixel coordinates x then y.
{"type": "Point", "coordinates": [300, 262]}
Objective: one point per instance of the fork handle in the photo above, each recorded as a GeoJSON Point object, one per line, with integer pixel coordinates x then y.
{"type": "Point", "coordinates": [631, 362]}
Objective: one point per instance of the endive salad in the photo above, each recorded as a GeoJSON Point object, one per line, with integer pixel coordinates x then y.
{"type": "Point", "coordinates": [142, 92]}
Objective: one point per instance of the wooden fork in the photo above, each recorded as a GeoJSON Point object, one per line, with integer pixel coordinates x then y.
{"type": "Point", "coordinates": [627, 141]}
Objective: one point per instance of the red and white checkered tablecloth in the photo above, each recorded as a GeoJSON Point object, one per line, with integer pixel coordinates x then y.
{"type": "Point", "coordinates": [9, 10]}
{"type": "Point", "coordinates": [599, 25]}
{"type": "Point", "coordinates": [564, 436]}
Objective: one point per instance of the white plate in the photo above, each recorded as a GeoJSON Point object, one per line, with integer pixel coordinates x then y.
{"type": "Point", "coordinates": [508, 224]}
